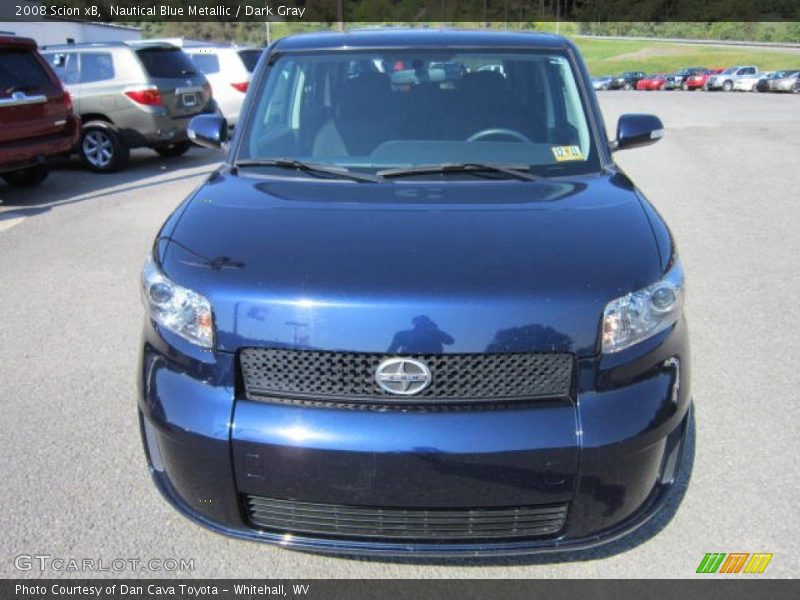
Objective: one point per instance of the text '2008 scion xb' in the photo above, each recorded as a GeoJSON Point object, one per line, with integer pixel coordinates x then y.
{"type": "Point", "coordinates": [418, 310]}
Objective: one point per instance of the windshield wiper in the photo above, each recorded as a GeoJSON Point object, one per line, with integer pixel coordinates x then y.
{"type": "Point", "coordinates": [518, 172]}
{"type": "Point", "coordinates": [290, 163]}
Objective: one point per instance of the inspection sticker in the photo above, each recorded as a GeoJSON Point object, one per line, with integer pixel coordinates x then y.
{"type": "Point", "coordinates": [563, 153]}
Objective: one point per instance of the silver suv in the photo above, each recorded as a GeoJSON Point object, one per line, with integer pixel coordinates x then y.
{"type": "Point", "coordinates": [726, 79]}
{"type": "Point", "coordinates": [130, 94]}
{"type": "Point", "coordinates": [228, 69]}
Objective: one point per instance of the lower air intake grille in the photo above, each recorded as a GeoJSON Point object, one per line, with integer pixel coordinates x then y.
{"type": "Point", "coordinates": [332, 520]}
{"type": "Point", "coordinates": [319, 375]}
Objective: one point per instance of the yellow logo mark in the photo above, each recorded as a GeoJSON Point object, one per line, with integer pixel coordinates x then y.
{"type": "Point", "coordinates": [758, 563]}
{"type": "Point", "coordinates": [734, 562]}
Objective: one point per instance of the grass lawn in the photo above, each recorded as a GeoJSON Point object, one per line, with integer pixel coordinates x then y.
{"type": "Point", "coordinates": [608, 57]}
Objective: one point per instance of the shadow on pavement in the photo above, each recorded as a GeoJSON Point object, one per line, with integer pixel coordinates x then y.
{"type": "Point", "coordinates": [69, 181]}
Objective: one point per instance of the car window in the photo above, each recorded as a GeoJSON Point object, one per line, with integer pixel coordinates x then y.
{"type": "Point", "coordinates": [96, 66]}
{"type": "Point", "coordinates": [21, 72]}
{"type": "Point", "coordinates": [250, 58]}
{"type": "Point", "coordinates": [409, 107]}
{"type": "Point", "coordinates": [208, 63]}
{"type": "Point", "coordinates": [65, 65]}
{"type": "Point", "coordinates": [166, 62]}
{"type": "Point", "coordinates": [283, 82]}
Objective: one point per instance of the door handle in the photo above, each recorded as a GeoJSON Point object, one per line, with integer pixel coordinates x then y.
{"type": "Point", "coordinates": [20, 99]}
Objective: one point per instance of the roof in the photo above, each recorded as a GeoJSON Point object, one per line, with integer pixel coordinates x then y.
{"type": "Point", "coordinates": [391, 37]}
{"type": "Point", "coordinates": [17, 42]}
{"type": "Point", "coordinates": [190, 43]}
{"type": "Point", "coordinates": [150, 43]}
{"type": "Point", "coordinates": [115, 44]}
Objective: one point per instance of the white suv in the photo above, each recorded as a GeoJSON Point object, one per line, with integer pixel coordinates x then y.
{"type": "Point", "coordinates": [228, 70]}
{"type": "Point", "coordinates": [726, 79]}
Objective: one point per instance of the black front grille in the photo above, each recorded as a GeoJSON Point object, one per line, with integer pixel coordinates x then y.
{"type": "Point", "coordinates": [315, 375]}
{"type": "Point", "coordinates": [333, 520]}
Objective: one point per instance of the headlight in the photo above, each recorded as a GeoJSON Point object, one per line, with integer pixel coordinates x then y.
{"type": "Point", "coordinates": [182, 311]}
{"type": "Point", "coordinates": [639, 315]}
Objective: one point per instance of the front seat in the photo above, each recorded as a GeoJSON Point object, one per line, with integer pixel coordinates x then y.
{"type": "Point", "coordinates": [360, 121]}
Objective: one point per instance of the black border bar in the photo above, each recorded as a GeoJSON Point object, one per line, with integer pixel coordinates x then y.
{"type": "Point", "coordinates": [406, 11]}
{"type": "Point", "coordinates": [714, 587]}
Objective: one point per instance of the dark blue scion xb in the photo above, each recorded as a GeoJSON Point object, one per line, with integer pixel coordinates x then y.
{"type": "Point", "coordinates": [418, 309]}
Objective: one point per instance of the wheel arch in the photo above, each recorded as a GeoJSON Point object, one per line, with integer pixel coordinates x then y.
{"type": "Point", "coordinates": [96, 120]}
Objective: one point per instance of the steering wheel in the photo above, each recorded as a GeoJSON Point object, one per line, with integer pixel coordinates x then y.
{"type": "Point", "coordinates": [512, 133]}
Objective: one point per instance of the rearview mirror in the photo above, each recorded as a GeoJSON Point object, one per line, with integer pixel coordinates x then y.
{"type": "Point", "coordinates": [637, 129]}
{"type": "Point", "coordinates": [210, 131]}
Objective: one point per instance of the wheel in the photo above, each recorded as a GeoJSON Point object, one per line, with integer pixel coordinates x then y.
{"type": "Point", "coordinates": [727, 86]}
{"type": "Point", "coordinates": [26, 177]}
{"type": "Point", "coordinates": [627, 86]}
{"type": "Point", "coordinates": [101, 148]}
{"type": "Point", "coordinates": [685, 86]}
{"type": "Point", "coordinates": [171, 150]}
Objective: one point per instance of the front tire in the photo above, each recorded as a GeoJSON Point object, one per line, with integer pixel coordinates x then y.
{"type": "Point", "coordinates": [727, 86]}
{"type": "Point", "coordinates": [101, 149]}
{"type": "Point", "coordinates": [173, 150]}
{"type": "Point", "coordinates": [26, 177]}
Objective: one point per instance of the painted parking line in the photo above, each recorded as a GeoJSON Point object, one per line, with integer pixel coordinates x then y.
{"type": "Point", "coordinates": [9, 221]}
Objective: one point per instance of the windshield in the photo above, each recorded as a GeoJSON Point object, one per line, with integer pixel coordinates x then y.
{"type": "Point", "coordinates": [166, 62]}
{"type": "Point", "coordinates": [21, 72]}
{"type": "Point", "coordinates": [250, 58]}
{"type": "Point", "coordinates": [395, 109]}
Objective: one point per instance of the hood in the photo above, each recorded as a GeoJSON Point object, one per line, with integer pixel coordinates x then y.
{"type": "Point", "coordinates": [412, 267]}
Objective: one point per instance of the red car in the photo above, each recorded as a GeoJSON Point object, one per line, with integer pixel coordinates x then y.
{"type": "Point", "coordinates": [36, 118]}
{"type": "Point", "coordinates": [697, 82]}
{"type": "Point", "coordinates": [652, 82]}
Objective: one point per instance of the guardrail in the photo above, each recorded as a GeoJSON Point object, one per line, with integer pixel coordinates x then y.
{"type": "Point", "coordinates": [784, 45]}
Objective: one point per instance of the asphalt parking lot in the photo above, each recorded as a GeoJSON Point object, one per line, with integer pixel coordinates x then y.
{"type": "Point", "coordinates": [74, 482]}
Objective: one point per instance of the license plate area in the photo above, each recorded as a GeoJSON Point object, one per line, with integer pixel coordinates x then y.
{"type": "Point", "coordinates": [437, 459]}
{"type": "Point", "coordinates": [189, 100]}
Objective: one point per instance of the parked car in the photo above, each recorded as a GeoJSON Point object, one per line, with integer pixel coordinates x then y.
{"type": "Point", "coordinates": [627, 80]}
{"type": "Point", "coordinates": [788, 83]}
{"type": "Point", "coordinates": [455, 330]}
{"type": "Point", "coordinates": [652, 82]}
{"type": "Point", "coordinates": [698, 80]}
{"type": "Point", "coordinates": [764, 83]}
{"type": "Point", "coordinates": [725, 80]}
{"type": "Point", "coordinates": [130, 94]}
{"type": "Point", "coordinates": [452, 70]}
{"type": "Point", "coordinates": [496, 68]}
{"type": "Point", "coordinates": [747, 83]}
{"type": "Point", "coordinates": [35, 112]}
{"type": "Point", "coordinates": [228, 70]}
{"type": "Point", "coordinates": [677, 80]}
{"type": "Point", "coordinates": [601, 83]}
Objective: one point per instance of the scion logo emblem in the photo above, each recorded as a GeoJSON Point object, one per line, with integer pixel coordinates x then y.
{"type": "Point", "coordinates": [403, 376]}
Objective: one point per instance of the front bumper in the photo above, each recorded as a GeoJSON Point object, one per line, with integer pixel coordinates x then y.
{"type": "Point", "coordinates": [157, 126]}
{"type": "Point", "coordinates": [611, 451]}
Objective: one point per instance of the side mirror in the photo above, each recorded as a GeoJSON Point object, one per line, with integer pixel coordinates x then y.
{"type": "Point", "coordinates": [637, 130]}
{"type": "Point", "coordinates": [210, 131]}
